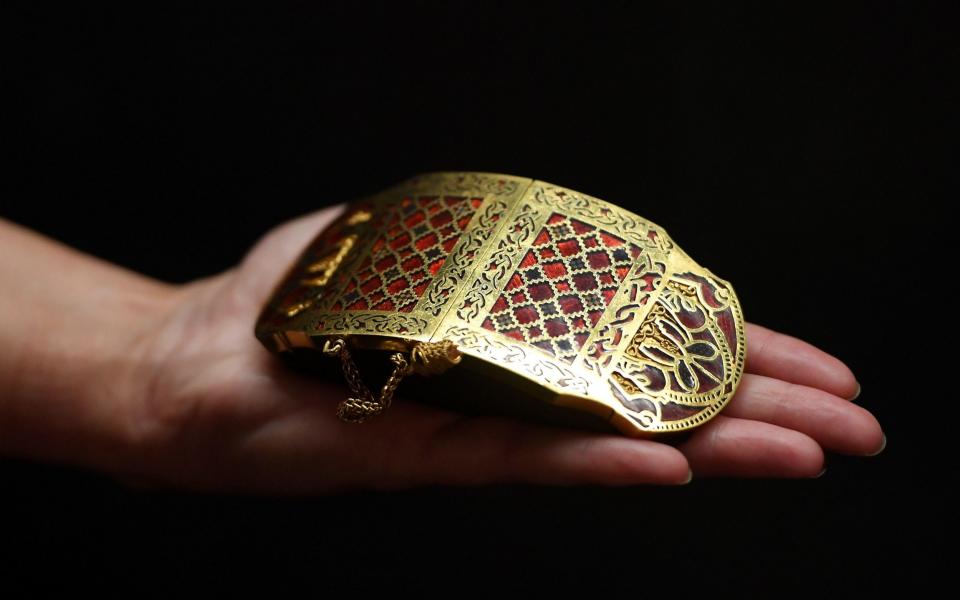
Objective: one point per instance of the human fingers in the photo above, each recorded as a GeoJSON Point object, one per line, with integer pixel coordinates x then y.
{"type": "Point", "coordinates": [774, 354]}
{"type": "Point", "coordinates": [272, 254]}
{"type": "Point", "coordinates": [729, 446]}
{"type": "Point", "coordinates": [835, 423]}
{"type": "Point", "coordinates": [414, 445]}
{"type": "Point", "coordinates": [480, 450]}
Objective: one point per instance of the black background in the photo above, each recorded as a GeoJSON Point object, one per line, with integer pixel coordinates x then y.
{"type": "Point", "coordinates": [798, 153]}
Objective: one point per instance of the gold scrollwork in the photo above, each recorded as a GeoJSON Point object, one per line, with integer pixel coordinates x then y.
{"type": "Point", "coordinates": [549, 371]}
{"type": "Point", "coordinates": [618, 222]}
{"type": "Point", "coordinates": [509, 250]}
{"type": "Point", "coordinates": [439, 293]}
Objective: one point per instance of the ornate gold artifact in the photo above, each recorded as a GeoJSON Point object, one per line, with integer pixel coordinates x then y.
{"type": "Point", "coordinates": [570, 307]}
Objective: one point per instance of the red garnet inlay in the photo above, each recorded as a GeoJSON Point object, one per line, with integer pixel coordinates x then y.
{"type": "Point", "coordinates": [412, 263]}
{"type": "Point", "coordinates": [556, 327]}
{"type": "Point", "coordinates": [515, 282]}
{"type": "Point", "coordinates": [525, 314]}
{"type": "Point", "coordinates": [567, 280]}
{"type": "Point", "coordinates": [598, 260]}
{"type": "Point", "coordinates": [542, 291]}
{"type": "Point", "coordinates": [416, 237]}
{"type": "Point", "coordinates": [396, 286]}
{"type": "Point", "coordinates": [426, 241]}
{"type": "Point", "coordinates": [568, 247]}
{"type": "Point", "coordinates": [570, 304]}
{"type": "Point", "coordinates": [554, 270]}
{"type": "Point", "coordinates": [368, 287]}
{"type": "Point", "coordinates": [585, 281]}
{"type": "Point", "coordinates": [529, 259]}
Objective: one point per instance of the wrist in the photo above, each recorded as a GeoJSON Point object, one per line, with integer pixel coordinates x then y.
{"type": "Point", "coordinates": [72, 328]}
{"type": "Point", "coordinates": [75, 383]}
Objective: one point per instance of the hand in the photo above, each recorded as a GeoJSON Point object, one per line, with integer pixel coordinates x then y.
{"type": "Point", "coordinates": [217, 411]}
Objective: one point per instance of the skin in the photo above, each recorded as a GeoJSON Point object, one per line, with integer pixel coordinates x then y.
{"type": "Point", "coordinates": [165, 386]}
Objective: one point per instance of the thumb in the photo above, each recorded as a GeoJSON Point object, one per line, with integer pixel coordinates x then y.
{"type": "Point", "coordinates": [270, 257]}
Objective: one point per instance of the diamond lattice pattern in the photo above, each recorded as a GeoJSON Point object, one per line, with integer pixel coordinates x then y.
{"type": "Point", "coordinates": [418, 236]}
{"type": "Point", "coordinates": [562, 286]}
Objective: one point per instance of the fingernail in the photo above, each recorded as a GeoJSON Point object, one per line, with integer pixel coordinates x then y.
{"type": "Point", "coordinates": [689, 477]}
{"type": "Point", "coordinates": [883, 444]}
{"type": "Point", "coordinates": [857, 394]}
{"type": "Point", "coordinates": [820, 474]}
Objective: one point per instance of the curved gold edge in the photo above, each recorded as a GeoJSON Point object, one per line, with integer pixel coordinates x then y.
{"type": "Point", "coordinates": [615, 413]}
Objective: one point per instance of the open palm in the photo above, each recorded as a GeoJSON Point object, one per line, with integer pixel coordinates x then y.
{"type": "Point", "coordinates": [215, 410]}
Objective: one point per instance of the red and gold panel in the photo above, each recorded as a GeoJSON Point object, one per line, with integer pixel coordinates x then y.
{"type": "Point", "coordinates": [685, 355]}
{"type": "Point", "coordinates": [419, 235]}
{"type": "Point", "coordinates": [561, 287]}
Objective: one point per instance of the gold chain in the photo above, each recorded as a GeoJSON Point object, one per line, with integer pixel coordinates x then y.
{"type": "Point", "coordinates": [425, 359]}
